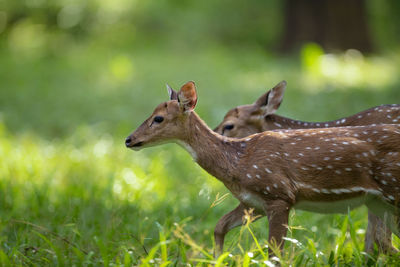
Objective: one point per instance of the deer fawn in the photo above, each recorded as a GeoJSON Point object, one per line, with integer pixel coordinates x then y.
{"type": "Point", "coordinates": [320, 170]}
{"type": "Point", "coordinates": [245, 120]}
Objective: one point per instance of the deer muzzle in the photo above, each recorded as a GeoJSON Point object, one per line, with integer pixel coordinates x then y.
{"type": "Point", "coordinates": [133, 143]}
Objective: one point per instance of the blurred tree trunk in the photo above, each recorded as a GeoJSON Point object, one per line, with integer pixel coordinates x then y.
{"type": "Point", "coordinates": [334, 24]}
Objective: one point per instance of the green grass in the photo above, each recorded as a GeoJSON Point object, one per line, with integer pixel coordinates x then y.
{"type": "Point", "coordinates": [72, 194]}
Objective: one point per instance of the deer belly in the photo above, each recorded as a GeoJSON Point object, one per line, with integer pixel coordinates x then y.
{"type": "Point", "coordinates": [337, 206]}
{"type": "Point", "coordinates": [251, 201]}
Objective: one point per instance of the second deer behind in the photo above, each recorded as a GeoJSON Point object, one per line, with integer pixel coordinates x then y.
{"type": "Point", "coordinates": [260, 116]}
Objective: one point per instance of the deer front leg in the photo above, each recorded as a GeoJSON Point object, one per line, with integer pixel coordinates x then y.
{"type": "Point", "coordinates": [379, 233]}
{"type": "Point", "coordinates": [278, 217]}
{"type": "Point", "coordinates": [225, 224]}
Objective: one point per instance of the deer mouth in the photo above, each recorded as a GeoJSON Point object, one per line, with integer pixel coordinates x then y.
{"type": "Point", "coordinates": [135, 146]}
{"type": "Point", "coordinates": [138, 144]}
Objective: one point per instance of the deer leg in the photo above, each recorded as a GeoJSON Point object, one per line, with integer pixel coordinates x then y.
{"type": "Point", "coordinates": [225, 224]}
{"type": "Point", "coordinates": [379, 233]}
{"type": "Point", "coordinates": [385, 218]}
{"type": "Point", "coordinates": [278, 218]}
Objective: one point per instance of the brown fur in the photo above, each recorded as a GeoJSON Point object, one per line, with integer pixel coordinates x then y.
{"type": "Point", "coordinates": [259, 117]}
{"type": "Point", "coordinates": [259, 173]}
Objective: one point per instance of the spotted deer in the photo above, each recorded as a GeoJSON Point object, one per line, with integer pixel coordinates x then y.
{"type": "Point", "coordinates": [260, 116]}
{"type": "Point", "coordinates": [320, 170]}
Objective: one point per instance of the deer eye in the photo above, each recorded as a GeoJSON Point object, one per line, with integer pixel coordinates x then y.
{"type": "Point", "coordinates": [228, 127]}
{"type": "Point", "coordinates": [158, 119]}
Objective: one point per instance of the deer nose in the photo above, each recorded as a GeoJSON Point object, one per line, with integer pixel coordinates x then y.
{"type": "Point", "coordinates": [128, 140]}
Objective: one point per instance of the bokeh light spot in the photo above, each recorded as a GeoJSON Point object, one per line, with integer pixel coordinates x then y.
{"type": "Point", "coordinates": [121, 68]}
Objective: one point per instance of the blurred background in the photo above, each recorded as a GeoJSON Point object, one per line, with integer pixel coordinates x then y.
{"type": "Point", "coordinates": [67, 63]}
{"type": "Point", "coordinates": [77, 76]}
{"type": "Point", "coordinates": [71, 63]}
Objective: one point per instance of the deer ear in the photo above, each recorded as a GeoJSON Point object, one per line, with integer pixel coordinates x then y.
{"type": "Point", "coordinates": [173, 95]}
{"type": "Point", "coordinates": [187, 96]}
{"type": "Point", "coordinates": [271, 100]}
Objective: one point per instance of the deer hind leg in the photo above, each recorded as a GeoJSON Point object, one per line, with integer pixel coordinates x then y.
{"type": "Point", "coordinates": [378, 233]}
{"type": "Point", "coordinates": [227, 223]}
{"type": "Point", "coordinates": [384, 217]}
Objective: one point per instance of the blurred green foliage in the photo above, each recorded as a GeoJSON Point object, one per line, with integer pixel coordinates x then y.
{"type": "Point", "coordinates": [179, 23]}
{"type": "Point", "coordinates": [198, 21]}
{"type": "Point", "coordinates": [76, 77]}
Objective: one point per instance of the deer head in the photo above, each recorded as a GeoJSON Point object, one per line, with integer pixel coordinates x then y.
{"type": "Point", "coordinates": [160, 127]}
{"type": "Point", "coordinates": [248, 119]}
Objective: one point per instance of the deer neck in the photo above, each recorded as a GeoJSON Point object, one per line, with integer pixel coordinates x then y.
{"type": "Point", "coordinates": [216, 154]}
{"type": "Point", "coordinates": [273, 121]}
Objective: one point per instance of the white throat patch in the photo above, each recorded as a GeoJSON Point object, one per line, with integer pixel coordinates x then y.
{"type": "Point", "coordinates": [188, 149]}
